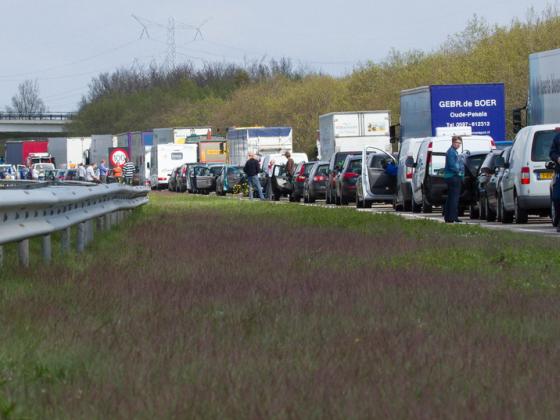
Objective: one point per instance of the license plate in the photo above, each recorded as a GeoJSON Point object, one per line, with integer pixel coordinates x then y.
{"type": "Point", "coordinates": [545, 175]}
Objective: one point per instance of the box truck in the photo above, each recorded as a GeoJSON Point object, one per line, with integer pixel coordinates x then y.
{"type": "Point", "coordinates": [258, 140]}
{"type": "Point", "coordinates": [543, 104]}
{"type": "Point", "coordinates": [352, 131]}
{"type": "Point", "coordinates": [479, 106]}
{"type": "Point", "coordinates": [178, 135]}
{"type": "Point", "coordinates": [69, 152]}
{"type": "Point", "coordinates": [166, 157]}
{"type": "Point", "coordinates": [17, 152]}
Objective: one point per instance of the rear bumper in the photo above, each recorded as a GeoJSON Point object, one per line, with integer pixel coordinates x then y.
{"type": "Point", "coordinates": [539, 202]}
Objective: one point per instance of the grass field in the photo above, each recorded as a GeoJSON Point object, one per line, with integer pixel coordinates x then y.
{"type": "Point", "coordinates": [221, 308]}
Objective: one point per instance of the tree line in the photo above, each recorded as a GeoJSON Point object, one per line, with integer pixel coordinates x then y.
{"type": "Point", "coordinates": [277, 93]}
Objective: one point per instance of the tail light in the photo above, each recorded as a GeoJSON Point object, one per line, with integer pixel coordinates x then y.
{"type": "Point", "coordinates": [300, 178]}
{"type": "Point", "coordinates": [319, 178]}
{"type": "Point", "coordinates": [492, 143]}
{"type": "Point", "coordinates": [430, 146]}
{"type": "Point", "coordinates": [160, 178]}
{"type": "Point", "coordinates": [409, 172]}
{"type": "Point", "coordinates": [525, 175]}
{"type": "Point", "coordinates": [349, 175]}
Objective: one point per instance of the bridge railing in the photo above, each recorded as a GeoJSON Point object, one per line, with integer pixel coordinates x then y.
{"type": "Point", "coordinates": [27, 213]}
{"type": "Point", "coordinates": [49, 116]}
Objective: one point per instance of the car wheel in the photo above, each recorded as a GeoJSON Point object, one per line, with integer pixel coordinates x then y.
{"type": "Point", "coordinates": [474, 213]}
{"type": "Point", "coordinates": [426, 207]}
{"type": "Point", "coordinates": [506, 216]}
{"type": "Point", "coordinates": [368, 204]}
{"type": "Point", "coordinates": [521, 215]}
{"type": "Point", "coordinates": [482, 208]}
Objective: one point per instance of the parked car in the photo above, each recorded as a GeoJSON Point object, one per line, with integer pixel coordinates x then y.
{"type": "Point", "coordinates": [300, 175]}
{"type": "Point", "coordinates": [485, 173]}
{"type": "Point", "coordinates": [526, 180]}
{"type": "Point", "coordinates": [8, 172]}
{"type": "Point", "coordinates": [403, 194]}
{"type": "Point", "coordinates": [492, 189]}
{"type": "Point", "coordinates": [172, 183]}
{"type": "Point", "coordinates": [335, 165]}
{"type": "Point", "coordinates": [375, 183]}
{"type": "Point", "coordinates": [279, 184]}
{"type": "Point", "coordinates": [193, 172]}
{"type": "Point", "coordinates": [230, 176]}
{"type": "Point", "coordinates": [347, 178]}
{"type": "Point", "coordinates": [183, 181]}
{"type": "Point", "coordinates": [315, 185]}
{"type": "Point", "coordinates": [428, 185]}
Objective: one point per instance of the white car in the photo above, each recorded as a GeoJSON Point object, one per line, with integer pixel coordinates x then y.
{"type": "Point", "coordinates": [525, 186]}
{"type": "Point", "coordinates": [403, 195]}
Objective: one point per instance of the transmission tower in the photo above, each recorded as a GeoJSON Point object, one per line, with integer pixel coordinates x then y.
{"type": "Point", "coordinates": [171, 44]}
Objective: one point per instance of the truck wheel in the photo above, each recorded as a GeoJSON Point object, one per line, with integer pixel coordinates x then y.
{"type": "Point", "coordinates": [521, 215]}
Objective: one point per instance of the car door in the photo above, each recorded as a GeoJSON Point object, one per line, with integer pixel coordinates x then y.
{"type": "Point", "coordinates": [419, 172]}
{"type": "Point", "coordinates": [513, 161]}
{"type": "Point", "coordinates": [280, 179]}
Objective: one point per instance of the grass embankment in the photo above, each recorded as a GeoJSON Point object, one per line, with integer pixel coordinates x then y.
{"type": "Point", "coordinates": [202, 307]}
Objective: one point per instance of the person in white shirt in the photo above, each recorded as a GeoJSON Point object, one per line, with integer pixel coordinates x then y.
{"type": "Point", "coordinates": [81, 172]}
{"type": "Point", "coordinates": [90, 174]}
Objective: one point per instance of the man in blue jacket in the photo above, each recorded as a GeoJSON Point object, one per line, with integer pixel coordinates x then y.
{"type": "Point", "coordinates": [555, 157]}
{"type": "Point", "coordinates": [453, 175]}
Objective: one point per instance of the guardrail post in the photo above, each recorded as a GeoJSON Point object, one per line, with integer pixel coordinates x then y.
{"type": "Point", "coordinates": [91, 230]}
{"type": "Point", "coordinates": [81, 238]}
{"type": "Point", "coordinates": [65, 240]}
{"type": "Point", "coordinates": [1, 255]}
{"type": "Point", "coordinates": [47, 249]}
{"type": "Point", "coordinates": [23, 252]}
{"type": "Point", "coordinates": [107, 222]}
{"type": "Point", "coordinates": [100, 223]}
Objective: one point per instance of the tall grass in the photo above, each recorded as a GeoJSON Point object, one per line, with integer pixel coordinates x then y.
{"type": "Point", "coordinates": [207, 308]}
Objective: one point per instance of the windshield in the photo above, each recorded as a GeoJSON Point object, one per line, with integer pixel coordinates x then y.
{"type": "Point", "coordinates": [340, 157]}
{"type": "Point", "coordinates": [216, 170]}
{"type": "Point", "coordinates": [44, 166]}
{"type": "Point", "coordinates": [322, 170]}
{"type": "Point", "coordinates": [541, 145]}
{"type": "Point", "coordinates": [355, 166]}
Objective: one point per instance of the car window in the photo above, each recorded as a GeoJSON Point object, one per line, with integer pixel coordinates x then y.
{"type": "Point", "coordinates": [339, 159]}
{"type": "Point", "coordinates": [216, 170]}
{"type": "Point", "coordinates": [474, 162]}
{"type": "Point", "coordinates": [307, 168]}
{"type": "Point", "coordinates": [437, 166]}
{"type": "Point", "coordinates": [355, 166]}
{"type": "Point", "coordinates": [489, 161]}
{"type": "Point", "coordinates": [541, 145]}
{"type": "Point", "coordinates": [378, 160]}
{"type": "Point", "coordinates": [322, 170]}
{"type": "Point", "coordinates": [234, 170]}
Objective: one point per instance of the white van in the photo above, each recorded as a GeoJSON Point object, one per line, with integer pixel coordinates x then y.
{"type": "Point", "coordinates": [166, 157]}
{"type": "Point", "coordinates": [403, 195]}
{"type": "Point", "coordinates": [525, 186]}
{"type": "Point", "coordinates": [428, 185]}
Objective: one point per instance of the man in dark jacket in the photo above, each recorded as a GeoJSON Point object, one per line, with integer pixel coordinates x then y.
{"type": "Point", "coordinates": [251, 169]}
{"type": "Point", "coordinates": [555, 157]}
{"type": "Point", "coordinates": [453, 175]}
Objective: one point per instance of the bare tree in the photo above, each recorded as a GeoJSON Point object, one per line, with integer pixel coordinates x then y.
{"type": "Point", "coordinates": [27, 100]}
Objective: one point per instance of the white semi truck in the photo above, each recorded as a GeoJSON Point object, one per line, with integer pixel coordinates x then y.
{"type": "Point", "coordinates": [353, 131]}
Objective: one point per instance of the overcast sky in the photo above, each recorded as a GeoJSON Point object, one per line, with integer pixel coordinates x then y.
{"type": "Point", "coordinates": [63, 44]}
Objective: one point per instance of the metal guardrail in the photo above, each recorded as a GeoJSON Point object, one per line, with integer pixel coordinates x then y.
{"type": "Point", "coordinates": [50, 116]}
{"type": "Point", "coordinates": [40, 211]}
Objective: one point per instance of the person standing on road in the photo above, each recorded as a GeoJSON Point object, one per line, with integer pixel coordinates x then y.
{"type": "Point", "coordinates": [453, 175]}
{"type": "Point", "coordinates": [290, 165]}
{"type": "Point", "coordinates": [81, 172]}
{"type": "Point", "coordinates": [554, 155]}
{"type": "Point", "coordinates": [103, 172]}
{"type": "Point", "coordinates": [90, 174]}
{"type": "Point", "coordinates": [128, 171]}
{"type": "Point", "coordinates": [251, 169]}
{"type": "Point", "coordinates": [117, 174]}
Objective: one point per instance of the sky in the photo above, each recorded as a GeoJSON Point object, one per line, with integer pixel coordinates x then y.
{"type": "Point", "coordinates": [63, 44]}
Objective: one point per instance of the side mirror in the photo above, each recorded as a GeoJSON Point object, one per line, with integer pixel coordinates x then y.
{"type": "Point", "coordinates": [550, 165]}
{"type": "Point", "coordinates": [409, 162]}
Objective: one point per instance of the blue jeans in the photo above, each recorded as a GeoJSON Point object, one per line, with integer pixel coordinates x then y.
{"type": "Point", "coordinates": [255, 183]}
{"type": "Point", "coordinates": [451, 209]}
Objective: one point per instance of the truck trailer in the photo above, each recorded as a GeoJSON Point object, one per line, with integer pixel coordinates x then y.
{"type": "Point", "coordinates": [69, 152]}
{"type": "Point", "coordinates": [352, 131]}
{"type": "Point", "coordinates": [258, 140]}
{"type": "Point", "coordinates": [166, 157]}
{"type": "Point", "coordinates": [543, 104]}
{"type": "Point", "coordinates": [479, 106]}
{"type": "Point", "coordinates": [178, 135]}
{"type": "Point", "coordinates": [100, 144]}
{"type": "Point", "coordinates": [17, 152]}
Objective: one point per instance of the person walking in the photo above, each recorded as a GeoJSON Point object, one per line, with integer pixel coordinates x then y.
{"type": "Point", "coordinates": [81, 172]}
{"type": "Point", "coordinates": [453, 175]}
{"type": "Point", "coordinates": [128, 171]}
{"type": "Point", "coordinates": [251, 169]}
{"type": "Point", "coordinates": [554, 155]}
{"type": "Point", "coordinates": [103, 172]}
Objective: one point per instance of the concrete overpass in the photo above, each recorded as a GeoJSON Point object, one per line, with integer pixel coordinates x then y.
{"type": "Point", "coordinates": [34, 124]}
